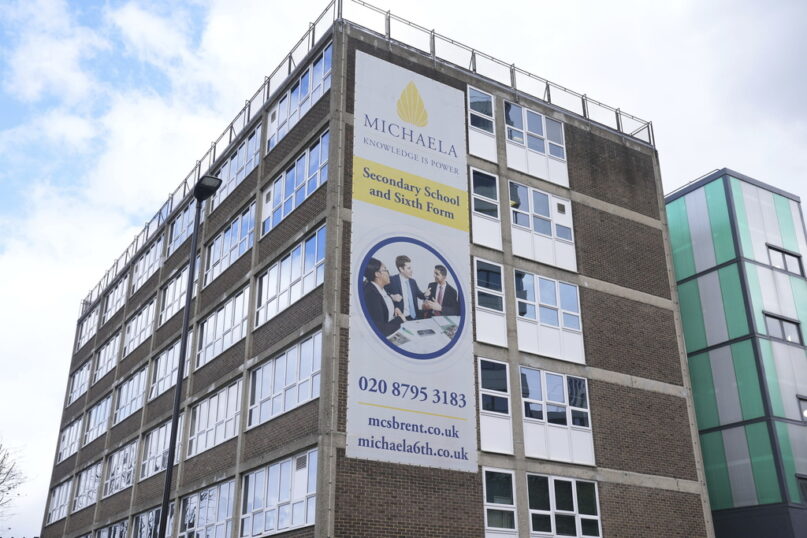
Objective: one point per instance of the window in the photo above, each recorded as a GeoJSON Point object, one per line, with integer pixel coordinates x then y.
{"type": "Point", "coordinates": [139, 328]}
{"type": "Point", "coordinates": [164, 371]}
{"type": "Point", "coordinates": [526, 127]}
{"type": "Point", "coordinates": [116, 530]}
{"type": "Point", "coordinates": [280, 497]}
{"type": "Point", "coordinates": [551, 302]}
{"type": "Point", "coordinates": [68, 440]}
{"type": "Point", "coordinates": [286, 381]}
{"type": "Point", "coordinates": [555, 398]}
{"type": "Point", "coordinates": [115, 298]}
{"type": "Point", "coordinates": [237, 166]}
{"type": "Point", "coordinates": [97, 420]}
{"type": "Point", "coordinates": [208, 512]}
{"type": "Point", "coordinates": [230, 244]}
{"type": "Point", "coordinates": [803, 408]}
{"type": "Point", "coordinates": [215, 419]}
{"type": "Point", "coordinates": [783, 329]}
{"type": "Point", "coordinates": [107, 358]}
{"type": "Point", "coordinates": [787, 261]}
{"type": "Point", "coordinates": [536, 210]}
{"type": "Point", "coordinates": [480, 110]}
{"type": "Point", "coordinates": [500, 504]}
{"type": "Point", "coordinates": [87, 487]}
{"type": "Point", "coordinates": [489, 291]}
{"type": "Point", "coordinates": [147, 264]}
{"type": "Point", "coordinates": [57, 507]}
{"type": "Point", "coordinates": [306, 91]}
{"type": "Point", "coordinates": [295, 184]}
{"type": "Point", "coordinates": [223, 328]}
{"type": "Point", "coordinates": [155, 448]}
{"type": "Point", "coordinates": [172, 296]}
{"type": "Point", "coordinates": [494, 392]}
{"type": "Point", "coordinates": [485, 194]}
{"type": "Point", "coordinates": [147, 524]}
{"type": "Point", "coordinates": [87, 328]}
{"type": "Point", "coordinates": [296, 274]}
{"type": "Point", "coordinates": [120, 469]}
{"type": "Point", "coordinates": [129, 395]}
{"type": "Point", "coordinates": [181, 228]}
{"type": "Point", "coordinates": [562, 506]}
{"type": "Point", "coordinates": [79, 381]}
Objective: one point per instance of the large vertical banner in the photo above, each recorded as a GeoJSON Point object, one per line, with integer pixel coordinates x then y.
{"type": "Point", "coordinates": [410, 373]}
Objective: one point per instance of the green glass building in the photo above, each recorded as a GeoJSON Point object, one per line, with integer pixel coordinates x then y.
{"type": "Point", "coordinates": [738, 247]}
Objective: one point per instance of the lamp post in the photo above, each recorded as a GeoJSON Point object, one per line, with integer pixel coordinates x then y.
{"type": "Point", "coordinates": [204, 189]}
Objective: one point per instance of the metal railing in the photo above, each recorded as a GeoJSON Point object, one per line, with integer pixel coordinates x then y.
{"type": "Point", "coordinates": [402, 31]}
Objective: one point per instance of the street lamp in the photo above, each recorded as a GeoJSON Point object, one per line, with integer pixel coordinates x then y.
{"type": "Point", "coordinates": [204, 189]}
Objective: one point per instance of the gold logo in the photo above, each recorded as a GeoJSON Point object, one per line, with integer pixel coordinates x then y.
{"type": "Point", "coordinates": [411, 108]}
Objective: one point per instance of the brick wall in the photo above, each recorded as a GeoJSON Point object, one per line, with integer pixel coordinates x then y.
{"type": "Point", "coordinates": [638, 512]}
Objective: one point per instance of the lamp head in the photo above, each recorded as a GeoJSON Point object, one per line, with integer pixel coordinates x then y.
{"type": "Point", "coordinates": [206, 187]}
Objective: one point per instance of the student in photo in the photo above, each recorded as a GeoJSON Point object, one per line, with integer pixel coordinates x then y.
{"type": "Point", "coordinates": [404, 290]}
{"type": "Point", "coordinates": [380, 308]}
{"type": "Point", "coordinates": [446, 300]}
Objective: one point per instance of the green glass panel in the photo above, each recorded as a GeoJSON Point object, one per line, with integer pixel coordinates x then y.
{"type": "Point", "coordinates": [733, 303]}
{"type": "Point", "coordinates": [692, 315]}
{"type": "Point", "coordinates": [680, 239]}
{"type": "Point", "coordinates": [789, 463]}
{"type": "Point", "coordinates": [742, 218]}
{"type": "Point", "coordinates": [799, 287]}
{"type": "Point", "coordinates": [719, 220]}
{"type": "Point", "coordinates": [771, 378]}
{"type": "Point", "coordinates": [745, 369]}
{"type": "Point", "coordinates": [761, 452]}
{"type": "Point", "coordinates": [786, 227]}
{"type": "Point", "coordinates": [755, 293]}
{"type": "Point", "coordinates": [717, 474]}
{"type": "Point", "coordinates": [703, 391]}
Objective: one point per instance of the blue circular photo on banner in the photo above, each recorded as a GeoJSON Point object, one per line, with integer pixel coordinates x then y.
{"type": "Point", "coordinates": [411, 297]}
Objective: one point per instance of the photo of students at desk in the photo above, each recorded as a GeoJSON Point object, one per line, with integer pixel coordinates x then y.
{"type": "Point", "coordinates": [414, 320]}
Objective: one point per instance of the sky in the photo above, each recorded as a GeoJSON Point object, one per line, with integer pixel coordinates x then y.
{"type": "Point", "coordinates": [106, 105]}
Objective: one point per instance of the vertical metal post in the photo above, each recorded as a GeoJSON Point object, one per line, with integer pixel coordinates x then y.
{"type": "Point", "coordinates": [618, 120]}
{"type": "Point", "coordinates": [473, 61]}
{"type": "Point", "coordinates": [338, 9]}
{"type": "Point", "coordinates": [432, 46]}
{"type": "Point", "coordinates": [311, 31]}
{"type": "Point", "coordinates": [513, 76]}
{"type": "Point", "coordinates": [183, 347]}
{"type": "Point", "coordinates": [584, 100]}
{"type": "Point", "coordinates": [547, 93]}
{"type": "Point", "coordinates": [387, 23]}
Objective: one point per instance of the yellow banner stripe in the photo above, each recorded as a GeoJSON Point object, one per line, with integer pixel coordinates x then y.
{"type": "Point", "coordinates": [411, 411]}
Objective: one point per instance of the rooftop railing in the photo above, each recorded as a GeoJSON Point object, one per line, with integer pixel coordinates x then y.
{"type": "Point", "coordinates": [396, 29]}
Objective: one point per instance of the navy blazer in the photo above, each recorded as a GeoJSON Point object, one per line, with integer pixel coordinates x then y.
{"type": "Point", "coordinates": [377, 310]}
{"type": "Point", "coordinates": [450, 305]}
{"type": "Point", "coordinates": [394, 287]}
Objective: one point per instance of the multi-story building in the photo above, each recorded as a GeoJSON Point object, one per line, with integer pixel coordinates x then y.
{"type": "Point", "coordinates": [738, 247]}
{"type": "Point", "coordinates": [434, 298]}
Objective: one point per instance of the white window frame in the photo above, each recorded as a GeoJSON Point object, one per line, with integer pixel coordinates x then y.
{"type": "Point", "coordinates": [539, 302]}
{"type": "Point", "coordinates": [280, 121]}
{"type": "Point", "coordinates": [485, 199]}
{"type": "Point", "coordinates": [147, 264]}
{"type": "Point", "coordinates": [87, 483]}
{"type": "Point", "coordinates": [195, 508]}
{"type": "Point", "coordinates": [271, 395]}
{"type": "Point", "coordinates": [291, 278]}
{"type": "Point", "coordinates": [87, 328]}
{"type": "Point", "coordinates": [115, 530]}
{"type": "Point", "coordinates": [533, 213]}
{"type": "Point", "coordinates": [494, 393]}
{"type": "Point", "coordinates": [471, 113]}
{"type": "Point", "coordinates": [79, 382]}
{"type": "Point", "coordinates": [145, 524]}
{"type": "Point", "coordinates": [69, 440]}
{"type": "Point", "coordinates": [230, 244]}
{"type": "Point", "coordinates": [172, 295]}
{"type": "Point", "coordinates": [120, 469]}
{"type": "Point", "coordinates": [181, 227]}
{"type": "Point", "coordinates": [107, 357]}
{"type": "Point", "coordinates": [513, 131]}
{"type": "Point", "coordinates": [129, 395]}
{"type": "Point", "coordinates": [789, 261]}
{"type": "Point", "coordinates": [163, 378]}
{"type": "Point", "coordinates": [237, 166]}
{"type": "Point", "coordinates": [489, 291]}
{"type": "Point", "coordinates": [97, 422]}
{"type": "Point", "coordinates": [570, 411]}
{"type": "Point", "coordinates": [58, 502]}
{"type": "Point", "coordinates": [115, 298]}
{"type": "Point", "coordinates": [223, 328]}
{"type": "Point", "coordinates": [155, 448]}
{"type": "Point", "coordinates": [215, 419]}
{"type": "Point", "coordinates": [139, 327]}
{"type": "Point", "coordinates": [500, 507]}
{"type": "Point", "coordinates": [553, 511]}
{"type": "Point", "coordinates": [278, 203]}
{"type": "Point", "coordinates": [280, 476]}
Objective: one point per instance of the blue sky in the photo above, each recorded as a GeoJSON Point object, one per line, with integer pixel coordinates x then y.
{"type": "Point", "coordinates": [106, 105]}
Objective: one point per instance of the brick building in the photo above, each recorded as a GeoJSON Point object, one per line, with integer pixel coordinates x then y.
{"type": "Point", "coordinates": [737, 251]}
{"type": "Point", "coordinates": [573, 415]}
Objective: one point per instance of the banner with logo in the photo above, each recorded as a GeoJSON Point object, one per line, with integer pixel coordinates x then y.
{"type": "Point", "coordinates": [410, 371]}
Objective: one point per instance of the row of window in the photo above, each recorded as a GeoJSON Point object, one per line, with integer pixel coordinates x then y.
{"type": "Point", "coordinates": [275, 498]}
{"type": "Point", "coordinates": [785, 260]}
{"type": "Point", "coordinates": [238, 166]}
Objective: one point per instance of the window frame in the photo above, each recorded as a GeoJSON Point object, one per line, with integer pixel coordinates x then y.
{"type": "Point", "coordinates": [176, 287]}
{"type": "Point", "coordinates": [782, 321]}
{"type": "Point", "coordinates": [533, 214]}
{"type": "Point", "coordinates": [212, 404]}
{"type": "Point", "coordinates": [102, 426]}
{"type": "Point", "coordinates": [80, 375]}
{"type": "Point", "coordinates": [471, 112]}
{"type": "Point", "coordinates": [545, 400]}
{"type": "Point", "coordinates": [193, 501]}
{"type": "Point", "coordinates": [59, 493]}
{"type": "Point", "coordinates": [160, 376]}
{"type": "Point", "coordinates": [154, 456]}
{"type": "Point", "coordinates": [785, 255]}
{"type": "Point", "coordinates": [526, 132]}
{"type": "Point", "coordinates": [489, 291]}
{"type": "Point", "coordinates": [111, 348]}
{"type": "Point", "coordinates": [239, 163]}
{"type": "Point", "coordinates": [119, 529]}
{"type": "Point", "coordinates": [129, 389]}
{"type": "Point", "coordinates": [119, 469]}
{"type": "Point", "coordinates": [87, 492]}
{"type": "Point", "coordinates": [553, 511]}
{"type": "Point", "coordinates": [147, 263]}
{"type": "Point", "coordinates": [494, 393]}
{"type": "Point", "coordinates": [221, 322]}
{"type": "Point", "coordinates": [538, 302]}
{"type": "Point", "coordinates": [481, 197]}
{"type": "Point", "coordinates": [71, 436]}
{"type": "Point", "coordinates": [230, 244]}
{"type": "Point", "coordinates": [141, 324]}
{"type": "Point", "coordinates": [501, 507]}
{"type": "Point", "coordinates": [152, 517]}
{"type": "Point", "coordinates": [115, 298]}
{"type": "Point", "coordinates": [87, 328]}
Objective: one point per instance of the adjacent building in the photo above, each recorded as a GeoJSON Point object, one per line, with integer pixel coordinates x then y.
{"type": "Point", "coordinates": [434, 298]}
{"type": "Point", "coordinates": [738, 247]}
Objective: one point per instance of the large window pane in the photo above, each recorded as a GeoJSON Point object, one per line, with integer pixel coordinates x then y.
{"type": "Point", "coordinates": [494, 375]}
